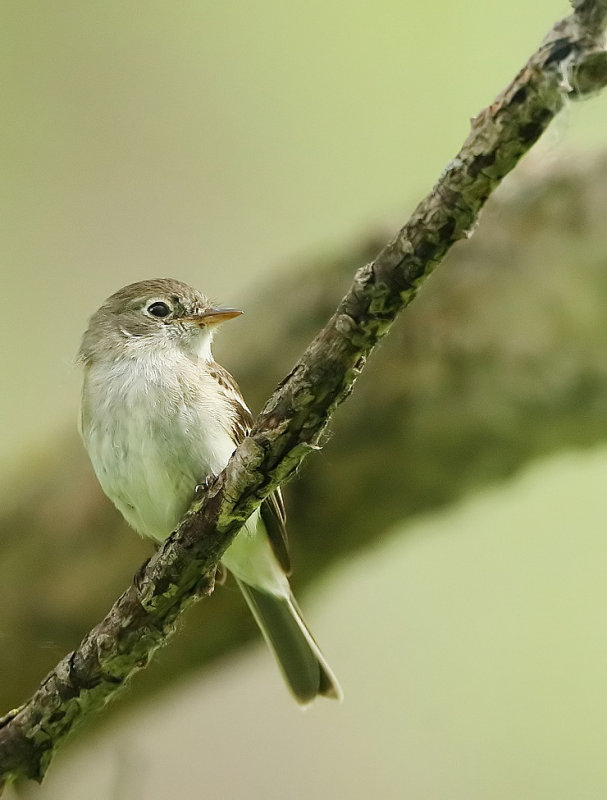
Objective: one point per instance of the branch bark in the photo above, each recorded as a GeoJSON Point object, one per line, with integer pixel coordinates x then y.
{"type": "Point", "coordinates": [570, 63]}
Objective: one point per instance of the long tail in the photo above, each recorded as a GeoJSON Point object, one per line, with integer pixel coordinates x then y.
{"type": "Point", "coordinates": [303, 665]}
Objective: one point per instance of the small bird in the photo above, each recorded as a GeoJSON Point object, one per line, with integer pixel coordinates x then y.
{"type": "Point", "coordinates": [159, 417]}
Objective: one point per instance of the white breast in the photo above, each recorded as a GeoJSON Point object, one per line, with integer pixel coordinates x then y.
{"type": "Point", "coordinates": [153, 437]}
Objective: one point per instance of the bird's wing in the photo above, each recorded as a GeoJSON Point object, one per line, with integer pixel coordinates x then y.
{"type": "Point", "coordinates": [272, 509]}
{"type": "Point", "coordinates": [275, 519]}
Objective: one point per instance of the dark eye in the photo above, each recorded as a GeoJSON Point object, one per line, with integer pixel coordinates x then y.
{"type": "Point", "coordinates": [158, 309]}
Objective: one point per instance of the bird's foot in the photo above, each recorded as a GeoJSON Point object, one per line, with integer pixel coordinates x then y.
{"type": "Point", "coordinates": [221, 575]}
{"type": "Point", "coordinates": [206, 484]}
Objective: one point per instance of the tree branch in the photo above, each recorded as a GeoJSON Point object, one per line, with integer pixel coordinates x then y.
{"type": "Point", "coordinates": [571, 62]}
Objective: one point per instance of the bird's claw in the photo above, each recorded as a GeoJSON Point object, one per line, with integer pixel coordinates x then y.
{"type": "Point", "coordinates": [206, 484]}
{"type": "Point", "coordinates": [221, 575]}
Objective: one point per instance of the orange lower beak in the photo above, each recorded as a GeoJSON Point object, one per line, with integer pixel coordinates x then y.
{"type": "Point", "coordinates": [213, 316]}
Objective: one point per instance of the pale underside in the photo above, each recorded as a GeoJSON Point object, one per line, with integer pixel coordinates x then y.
{"type": "Point", "coordinates": [157, 437]}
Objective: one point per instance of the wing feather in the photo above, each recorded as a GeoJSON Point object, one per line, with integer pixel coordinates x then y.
{"type": "Point", "coordinates": [272, 509]}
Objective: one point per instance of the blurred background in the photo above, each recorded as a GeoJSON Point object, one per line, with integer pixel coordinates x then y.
{"type": "Point", "coordinates": [449, 540]}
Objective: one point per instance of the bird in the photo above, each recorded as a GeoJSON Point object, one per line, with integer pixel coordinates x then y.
{"type": "Point", "coordinates": [159, 417]}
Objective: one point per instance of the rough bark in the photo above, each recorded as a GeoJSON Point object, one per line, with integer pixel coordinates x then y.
{"type": "Point", "coordinates": [570, 62]}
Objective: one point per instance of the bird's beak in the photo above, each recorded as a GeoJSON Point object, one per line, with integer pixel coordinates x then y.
{"type": "Point", "coordinates": [213, 316]}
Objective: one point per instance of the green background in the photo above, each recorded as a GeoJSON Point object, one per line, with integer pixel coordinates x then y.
{"type": "Point", "coordinates": [220, 143]}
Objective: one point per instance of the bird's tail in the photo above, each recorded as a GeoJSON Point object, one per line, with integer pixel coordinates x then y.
{"type": "Point", "coordinates": [299, 657]}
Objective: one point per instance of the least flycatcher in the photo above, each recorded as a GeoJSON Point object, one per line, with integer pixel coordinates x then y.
{"type": "Point", "coordinates": [159, 417]}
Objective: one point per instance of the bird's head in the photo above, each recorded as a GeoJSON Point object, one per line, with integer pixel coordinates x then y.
{"type": "Point", "coordinates": [152, 316]}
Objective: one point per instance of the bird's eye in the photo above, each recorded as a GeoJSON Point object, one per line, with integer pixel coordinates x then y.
{"type": "Point", "coordinates": [158, 309]}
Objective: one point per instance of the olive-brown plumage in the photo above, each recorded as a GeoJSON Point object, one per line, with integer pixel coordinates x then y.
{"type": "Point", "coordinates": [159, 416]}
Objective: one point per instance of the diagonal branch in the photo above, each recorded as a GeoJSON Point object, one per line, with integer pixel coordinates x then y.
{"type": "Point", "coordinates": [570, 63]}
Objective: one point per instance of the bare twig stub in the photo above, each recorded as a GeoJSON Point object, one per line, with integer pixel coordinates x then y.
{"type": "Point", "coordinates": [570, 63]}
